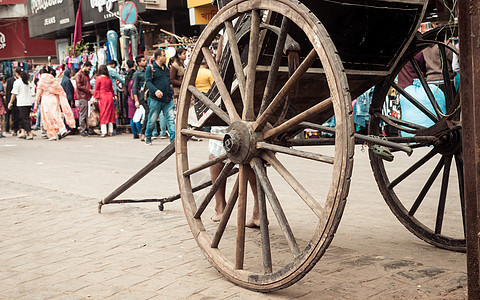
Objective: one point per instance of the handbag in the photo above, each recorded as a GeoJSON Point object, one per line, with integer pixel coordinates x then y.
{"type": "Point", "coordinates": [138, 116]}
{"type": "Point", "coordinates": [94, 117]}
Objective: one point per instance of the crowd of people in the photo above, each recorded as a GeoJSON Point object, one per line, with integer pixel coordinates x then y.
{"type": "Point", "coordinates": [72, 102]}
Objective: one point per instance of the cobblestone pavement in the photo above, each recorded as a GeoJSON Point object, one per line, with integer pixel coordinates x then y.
{"type": "Point", "coordinates": [54, 244]}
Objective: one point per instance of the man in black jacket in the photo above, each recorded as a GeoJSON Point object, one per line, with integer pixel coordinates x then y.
{"type": "Point", "coordinates": [160, 95]}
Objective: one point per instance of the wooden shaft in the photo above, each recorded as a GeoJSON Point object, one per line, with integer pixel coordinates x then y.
{"type": "Point", "coordinates": [219, 181]}
{"type": "Point", "coordinates": [237, 62]}
{"type": "Point", "coordinates": [241, 216]}
{"type": "Point", "coordinates": [203, 134]}
{"type": "Point", "coordinates": [158, 160]}
{"type": "Point", "coordinates": [222, 88]}
{"type": "Point", "coordinates": [443, 195]}
{"type": "Point", "coordinates": [209, 103]}
{"type": "Point", "coordinates": [293, 182]}
{"type": "Point", "coordinates": [291, 82]}
{"type": "Point", "coordinates": [275, 203]}
{"type": "Point", "coordinates": [248, 112]}
{"type": "Point", "coordinates": [227, 212]}
{"type": "Point", "coordinates": [413, 168]}
{"type": "Point", "coordinates": [294, 152]}
{"type": "Point", "coordinates": [289, 124]}
{"type": "Point", "coordinates": [205, 165]}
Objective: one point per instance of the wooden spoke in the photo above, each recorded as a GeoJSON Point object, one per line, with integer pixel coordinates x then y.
{"type": "Point", "coordinates": [292, 181]}
{"type": "Point", "coordinates": [203, 134]}
{"type": "Point", "coordinates": [425, 86]}
{"type": "Point", "coordinates": [443, 195]}
{"type": "Point", "coordinates": [426, 187]}
{"type": "Point", "coordinates": [237, 61]}
{"type": "Point", "coordinates": [413, 168]}
{"type": "Point", "coordinates": [248, 112]}
{"type": "Point", "coordinates": [227, 212]}
{"type": "Point", "coordinates": [394, 121]}
{"type": "Point", "coordinates": [241, 216]}
{"type": "Point", "coordinates": [222, 88]}
{"type": "Point", "coordinates": [446, 77]}
{"type": "Point", "coordinates": [209, 103]}
{"type": "Point", "coordinates": [315, 110]}
{"type": "Point", "coordinates": [291, 82]}
{"type": "Point", "coordinates": [220, 179]}
{"type": "Point", "coordinates": [459, 163]}
{"type": "Point", "coordinates": [275, 203]}
{"type": "Point", "coordinates": [264, 232]}
{"type": "Point", "coordinates": [277, 57]}
{"type": "Point", "coordinates": [294, 152]}
{"type": "Point", "coordinates": [414, 101]}
{"type": "Point", "coordinates": [205, 165]}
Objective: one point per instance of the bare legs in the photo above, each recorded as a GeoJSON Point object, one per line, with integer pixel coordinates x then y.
{"type": "Point", "coordinates": [220, 196]}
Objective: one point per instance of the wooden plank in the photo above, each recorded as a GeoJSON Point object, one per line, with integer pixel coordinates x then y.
{"type": "Point", "coordinates": [209, 103]}
{"type": "Point", "coordinates": [293, 182]}
{"type": "Point", "coordinates": [282, 94]}
{"type": "Point", "coordinates": [227, 212]}
{"type": "Point", "coordinates": [241, 216]}
{"type": "Point", "coordinates": [205, 165]}
{"type": "Point", "coordinates": [237, 62]}
{"type": "Point", "coordinates": [294, 152]}
{"type": "Point", "coordinates": [203, 134]}
{"type": "Point", "coordinates": [469, 29]}
{"type": "Point", "coordinates": [264, 232]}
{"type": "Point", "coordinates": [222, 88]}
{"type": "Point", "coordinates": [248, 112]}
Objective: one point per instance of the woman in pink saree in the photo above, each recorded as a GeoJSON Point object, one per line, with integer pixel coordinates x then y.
{"type": "Point", "coordinates": [52, 97]}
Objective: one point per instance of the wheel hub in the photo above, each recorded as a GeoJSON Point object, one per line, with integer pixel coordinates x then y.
{"type": "Point", "coordinates": [239, 142]}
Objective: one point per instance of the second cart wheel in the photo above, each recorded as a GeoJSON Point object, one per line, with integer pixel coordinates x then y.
{"type": "Point", "coordinates": [304, 211]}
{"type": "Point", "coordinates": [435, 211]}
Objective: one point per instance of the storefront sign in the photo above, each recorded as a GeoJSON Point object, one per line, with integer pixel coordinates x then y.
{"type": "Point", "coordinates": [47, 16]}
{"type": "Point", "coordinates": [15, 41]}
{"type": "Point", "coordinates": [202, 15]}
{"type": "Point", "coordinates": [196, 3]}
{"type": "Point", "coordinates": [99, 11]}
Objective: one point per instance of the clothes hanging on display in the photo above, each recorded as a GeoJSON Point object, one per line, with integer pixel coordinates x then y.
{"type": "Point", "coordinates": [142, 39]}
{"type": "Point", "coordinates": [112, 38]}
{"type": "Point", "coordinates": [93, 59]}
{"type": "Point", "coordinates": [102, 56]}
{"type": "Point", "coordinates": [129, 34]}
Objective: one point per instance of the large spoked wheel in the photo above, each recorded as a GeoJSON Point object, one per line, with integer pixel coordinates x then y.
{"type": "Point", "coordinates": [299, 223]}
{"type": "Point", "coordinates": [435, 211]}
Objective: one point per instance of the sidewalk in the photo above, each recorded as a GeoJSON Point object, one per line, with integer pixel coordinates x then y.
{"type": "Point", "coordinates": [54, 244]}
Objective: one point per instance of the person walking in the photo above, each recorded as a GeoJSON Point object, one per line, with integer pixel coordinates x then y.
{"type": "Point", "coordinates": [104, 96]}
{"type": "Point", "coordinates": [84, 93]}
{"type": "Point", "coordinates": [157, 78]}
{"type": "Point", "coordinates": [68, 87]}
{"type": "Point", "coordinates": [51, 97]}
{"type": "Point", "coordinates": [13, 112]}
{"type": "Point", "coordinates": [136, 127]}
{"type": "Point", "coordinates": [138, 82]}
{"type": "Point", "coordinates": [3, 111]}
{"type": "Point", "coordinates": [21, 92]}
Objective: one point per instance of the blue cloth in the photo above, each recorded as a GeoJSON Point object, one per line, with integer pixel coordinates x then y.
{"type": "Point", "coordinates": [67, 85]}
{"type": "Point", "coordinates": [114, 76]}
{"type": "Point", "coordinates": [136, 127]}
{"type": "Point", "coordinates": [159, 81]}
{"type": "Point", "coordinates": [411, 113]}
{"type": "Point", "coordinates": [361, 108]}
{"type": "Point", "coordinates": [112, 38]}
{"type": "Point", "coordinates": [156, 107]}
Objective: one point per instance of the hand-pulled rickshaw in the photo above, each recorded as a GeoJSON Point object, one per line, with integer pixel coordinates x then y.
{"type": "Point", "coordinates": [289, 65]}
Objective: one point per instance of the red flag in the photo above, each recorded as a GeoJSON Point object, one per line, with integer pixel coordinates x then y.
{"type": "Point", "coordinates": [77, 36]}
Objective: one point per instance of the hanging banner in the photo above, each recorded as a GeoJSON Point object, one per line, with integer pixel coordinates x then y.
{"type": "Point", "coordinates": [99, 11]}
{"type": "Point", "coordinates": [47, 16]}
{"type": "Point", "coordinates": [202, 15]}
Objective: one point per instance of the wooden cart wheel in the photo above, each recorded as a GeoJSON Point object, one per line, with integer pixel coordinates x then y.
{"type": "Point", "coordinates": [435, 212]}
{"type": "Point", "coordinates": [298, 226]}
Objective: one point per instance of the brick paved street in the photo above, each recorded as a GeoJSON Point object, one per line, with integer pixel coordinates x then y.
{"type": "Point", "coordinates": [54, 244]}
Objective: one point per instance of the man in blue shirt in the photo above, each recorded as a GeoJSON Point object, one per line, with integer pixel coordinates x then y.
{"type": "Point", "coordinates": [159, 96]}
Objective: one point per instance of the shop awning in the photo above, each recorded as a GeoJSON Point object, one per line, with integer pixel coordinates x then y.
{"type": "Point", "coordinates": [15, 41]}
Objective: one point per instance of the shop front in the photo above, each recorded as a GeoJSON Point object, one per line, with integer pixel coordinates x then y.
{"type": "Point", "coordinates": [18, 49]}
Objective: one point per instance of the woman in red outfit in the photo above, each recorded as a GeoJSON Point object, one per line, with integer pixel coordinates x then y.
{"type": "Point", "coordinates": [104, 96]}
